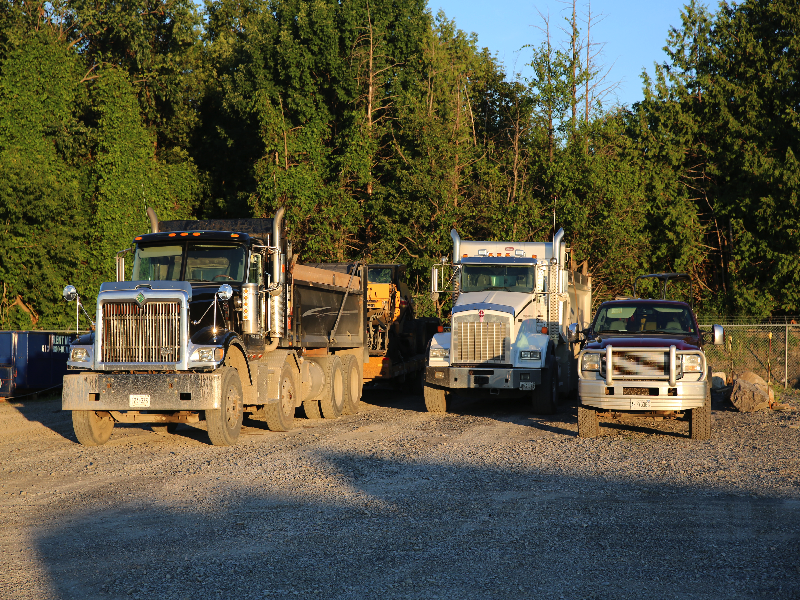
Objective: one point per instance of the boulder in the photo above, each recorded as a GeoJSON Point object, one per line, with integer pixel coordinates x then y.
{"type": "Point", "coordinates": [718, 379]}
{"type": "Point", "coordinates": [751, 377]}
{"type": "Point", "coordinates": [749, 397]}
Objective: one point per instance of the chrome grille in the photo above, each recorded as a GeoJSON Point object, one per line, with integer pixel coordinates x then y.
{"type": "Point", "coordinates": [478, 342]}
{"type": "Point", "coordinates": [150, 334]}
{"type": "Point", "coordinates": [639, 364]}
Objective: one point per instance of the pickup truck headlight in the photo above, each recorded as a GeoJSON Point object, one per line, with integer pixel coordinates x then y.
{"type": "Point", "coordinates": [208, 355]}
{"type": "Point", "coordinates": [691, 363]}
{"type": "Point", "coordinates": [530, 355]}
{"type": "Point", "coordinates": [440, 353]}
{"type": "Point", "coordinates": [79, 355]}
{"type": "Point", "coordinates": [590, 362]}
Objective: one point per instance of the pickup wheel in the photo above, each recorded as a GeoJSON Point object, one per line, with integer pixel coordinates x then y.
{"type": "Point", "coordinates": [280, 415]}
{"type": "Point", "coordinates": [700, 420]}
{"type": "Point", "coordinates": [435, 399]}
{"type": "Point", "coordinates": [545, 395]}
{"type": "Point", "coordinates": [588, 423]}
{"type": "Point", "coordinates": [353, 385]}
{"type": "Point", "coordinates": [92, 428]}
{"type": "Point", "coordinates": [332, 402]}
{"type": "Point", "coordinates": [224, 423]}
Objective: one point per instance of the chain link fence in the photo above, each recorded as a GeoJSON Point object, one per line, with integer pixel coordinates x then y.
{"type": "Point", "coordinates": [771, 350]}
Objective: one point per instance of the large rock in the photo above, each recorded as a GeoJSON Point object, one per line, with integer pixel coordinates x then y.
{"type": "Point", "coordinates": [749, 397]}
{"type": "Point", "coordinates": [750, 377]}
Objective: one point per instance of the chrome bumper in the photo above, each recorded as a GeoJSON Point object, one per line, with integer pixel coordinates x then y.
{"type": "Point", "coordinates": [482, 378]}
{"type": "Point", "coordinates": [166, 391]}
{"type": "Point", "coordinates": [598, 394]}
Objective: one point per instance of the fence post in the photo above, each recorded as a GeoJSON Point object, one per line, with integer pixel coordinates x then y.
{"type": "Point", "coordinates": [786, 358]}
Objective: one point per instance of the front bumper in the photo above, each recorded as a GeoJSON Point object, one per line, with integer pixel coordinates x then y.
{"type": "Point", "coordinates": [686, 395]}
{"type": "Point", "coordinates": [482, 378]}
{"type": "Point", "coordinates": [165, 391]}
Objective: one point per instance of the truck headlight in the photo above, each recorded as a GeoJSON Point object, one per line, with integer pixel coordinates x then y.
{"type": "Point", "coordinates": [590, 362]}
{"type": "Point", "coordinates": [208, 355]}
{"type": "Point", "coordinates": [79, 355]}
{"type": "Point", "coordinates": [530, 355]}
{"type": "Point", "coordinates": [440, 353]}
{"type": "Point", "coordinates": [691, 363]}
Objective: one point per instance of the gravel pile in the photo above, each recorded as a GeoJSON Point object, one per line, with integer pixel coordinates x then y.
{"type": "Point", "coordinates": [484, 502]}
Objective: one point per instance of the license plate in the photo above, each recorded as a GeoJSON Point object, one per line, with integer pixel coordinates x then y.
{"type": "Point", "coordinates": [526, 385]}
{"type": "Point", "coordinates": [639, 404]}
{"type": "Point", "coordinates": [139, 401]}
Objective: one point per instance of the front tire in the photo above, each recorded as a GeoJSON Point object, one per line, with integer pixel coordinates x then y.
{"type": "Point", "coordinates": [435, 399]}
{"type": "Point", "coordinates": [545, 396]}
{"type": "Point", "coordinates": [280, 415]}
{"type": "Point", "coordinates": [92, 428]}
{"type": "Point", "coordinates": [588, 423]}
{"type": "Point", "coordinates": [224, 423]}
{"type": "Point", "coordinates": [700, 420]}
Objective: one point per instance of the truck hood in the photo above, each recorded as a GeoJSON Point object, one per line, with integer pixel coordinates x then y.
{"type": "Point", "coordinates": [680, 343]}
{"type": "Point", "coordinates": [510, 302]}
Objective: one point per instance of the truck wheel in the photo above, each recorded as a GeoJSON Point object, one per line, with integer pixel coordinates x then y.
{"type": "Point", "coordinates": [353, 385]}
{"type": "Point", "coordinates": [545, 396]}
{"type": "Point", "coordinates": [280, 415]}
{"type": "Point", "coordinates": [332, 403]}
{"type": "Point", "coordinates": [588, 423]}
{"type": "Point", "coordinates": [700, 420]}
{"type": "Point", "coordinates": [435, 399]}
{"type": "Point", "coordinates": [224, 423]}
{"type": "Point", "coordinates": [311, 408]}
{"type": "Point", "coordinates": [92, 428]}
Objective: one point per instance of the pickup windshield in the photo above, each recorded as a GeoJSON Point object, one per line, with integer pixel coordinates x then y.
{"type": "Point", "coordinates": [636, 318]}
{"type": "Point", "coordinates": [479, 278]}
{"type": "Point", "coordinates": [196, 262]}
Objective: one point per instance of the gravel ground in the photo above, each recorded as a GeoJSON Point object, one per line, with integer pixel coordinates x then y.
{"type": "Point", "coordinates": [484, 502]}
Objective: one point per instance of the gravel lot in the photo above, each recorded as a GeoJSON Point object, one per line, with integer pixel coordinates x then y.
{"type": "Point", "coordinates": [484, 502]}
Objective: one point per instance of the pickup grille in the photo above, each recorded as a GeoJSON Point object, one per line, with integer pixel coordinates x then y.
{"type": "Point", "coordinates": [141, 335]}
{"type": "Point", "coordinates": [640, 364]}
{"type": "Point", "coordinates": [479, 342]}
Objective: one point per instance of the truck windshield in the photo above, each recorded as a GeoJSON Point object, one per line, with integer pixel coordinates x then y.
{"type": "Point", "coordinates": [197, 262]}
{"type": "Point", "coordinates": [479, 278]}
{"type": "Point", "coordinates": [638, 318]}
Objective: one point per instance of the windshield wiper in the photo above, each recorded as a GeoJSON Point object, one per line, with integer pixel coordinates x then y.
{"type": "Point", "coordinates": [496, 287]}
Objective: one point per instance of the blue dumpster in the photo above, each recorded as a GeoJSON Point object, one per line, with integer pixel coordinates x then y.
{"type": "Point", "coordinates": [32, 360]}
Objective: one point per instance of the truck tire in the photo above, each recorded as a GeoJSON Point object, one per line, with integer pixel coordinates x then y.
{"type": "Point", "coordinates": [700, 420]}
{"type": "Point", "coordinates": [435, 399]}
{"type": "Point", "coordinates": [311, 408]}
{"type": "Point", "coordinates": [280, 415]}
{"type": "Point", "coordinates": [92, 428]}
{"type": "Point", "coordinates": [353, 384]}
{"type": "Point", "coordinates": [588, 423]}
{"type": "Point", "coordinates": [332, 402]}
{"type": "Point", "coordinates": [545, 396]}
{"type": "Point", "coordinates": [223, 424]}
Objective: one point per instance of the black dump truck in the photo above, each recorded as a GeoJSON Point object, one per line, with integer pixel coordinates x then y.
{"type": "Point", "coordinates": [218, 320]}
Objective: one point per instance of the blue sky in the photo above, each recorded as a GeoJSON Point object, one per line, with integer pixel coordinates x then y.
{"type": "Point", "coordinates": [634, 32]}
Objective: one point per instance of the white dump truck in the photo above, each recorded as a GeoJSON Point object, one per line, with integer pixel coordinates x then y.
{"type": "Point", "coordinates": [508, 325]}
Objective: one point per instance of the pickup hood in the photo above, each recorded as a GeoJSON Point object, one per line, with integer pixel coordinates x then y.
{"type": "Point", "coordinates": [510, 302]}
{"type": "Point", "coordinates": [680, 343]}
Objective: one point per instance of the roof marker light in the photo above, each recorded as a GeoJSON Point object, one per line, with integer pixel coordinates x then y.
{"type": "Point", "coordinates": [137, 238]}
{"type": "Point", "coordinates": [184, 234]}
{"type": "Point", "coordinates": [196, 233]}
{"type": "Point", "coordinates": [234, 235]}
{"type": "Point", "coordinates": [171, 235]}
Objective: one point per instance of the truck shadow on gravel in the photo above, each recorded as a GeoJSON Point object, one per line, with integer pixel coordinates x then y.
{"type": "Point", "coordinates": [420, 529]}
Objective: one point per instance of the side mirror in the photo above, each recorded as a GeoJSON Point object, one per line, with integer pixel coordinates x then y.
{"type": "Point", "coordinates": [225, 292]}
{"type": "Point", "coordinates": [718, 335]}
{"type": "Point", "coordinates": [573, 332]}
{"type": "Point", "coordinates": [70, 293]}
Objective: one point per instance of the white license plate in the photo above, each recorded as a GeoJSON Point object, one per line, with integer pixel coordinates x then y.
{"type": "Point", "coordinates": [139, 401]}
{"type": "Point", "coordinates": [526, 385]}
{"type": "Point", "coordinates": [640, 404]}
